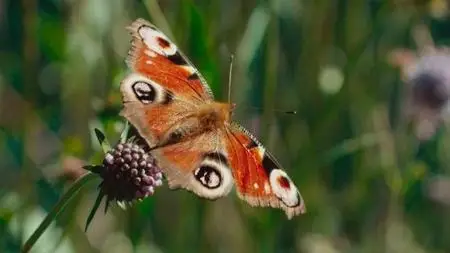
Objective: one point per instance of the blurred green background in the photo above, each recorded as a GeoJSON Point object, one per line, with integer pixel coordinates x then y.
{"type": "Point", "coordinates": [368, 184]}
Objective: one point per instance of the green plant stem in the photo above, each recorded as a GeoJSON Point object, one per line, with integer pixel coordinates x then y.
{"type": "Point", "coordinates": [83, 180]}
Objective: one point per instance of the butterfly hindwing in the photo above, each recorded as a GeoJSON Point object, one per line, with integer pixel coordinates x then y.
{"type": "Point", "coordinates": [199, 165]}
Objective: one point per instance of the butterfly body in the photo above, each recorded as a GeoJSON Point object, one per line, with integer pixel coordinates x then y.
{"type": "Point", "coordinates": [205, 119]}
{"type": "Point", "coordinates": [192, 136]}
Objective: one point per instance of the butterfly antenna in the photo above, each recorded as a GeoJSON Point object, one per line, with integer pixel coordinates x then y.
{"type": "Point", "coordinates": [289, 112]}
{"type": "Point", "coordinates": [274, 110]}
{"type": "Point", "coordinates": [229, 78]}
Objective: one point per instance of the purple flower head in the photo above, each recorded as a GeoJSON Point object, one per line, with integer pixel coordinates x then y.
{"type": "Point", "coordinates": [129, 173]}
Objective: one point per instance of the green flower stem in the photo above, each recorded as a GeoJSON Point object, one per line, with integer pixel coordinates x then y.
{"type": "Point", "coordinates": [83, 180]}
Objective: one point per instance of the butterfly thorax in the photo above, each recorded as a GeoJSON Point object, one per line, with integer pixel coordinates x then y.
{"type": "Point", "coordinates": [207, 118]}
{"type": "Point", "coordinates": [214, 115]}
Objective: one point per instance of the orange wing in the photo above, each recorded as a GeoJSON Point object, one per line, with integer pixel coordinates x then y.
{"type": "Point", "coordinates": [198, 165]}
{"type": "Point", "coordinates": [164, 89]}
{"type": "Point", "coordinates": [152, 109]}
{"type": "Point", "coordinates": [156, 57]}
{"type": "Point", "coordinates": [259, 179]}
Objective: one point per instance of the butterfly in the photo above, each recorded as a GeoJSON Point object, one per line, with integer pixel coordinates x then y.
{"type": "Point", "coordinates": [191, 135]}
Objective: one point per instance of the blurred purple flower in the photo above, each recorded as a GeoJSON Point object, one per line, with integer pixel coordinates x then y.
{"type": "Point", "coordinates": [427, 75]}
{"type": "Point", "coordinates": [438, 189]}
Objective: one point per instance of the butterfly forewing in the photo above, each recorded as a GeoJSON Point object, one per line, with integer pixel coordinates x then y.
{"type": "Point", "coordinates": [259, 178]}
{"type": "Point", "coordinates": [164, 88]}
{"type": "Point", "coordinates": [155, 56]}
